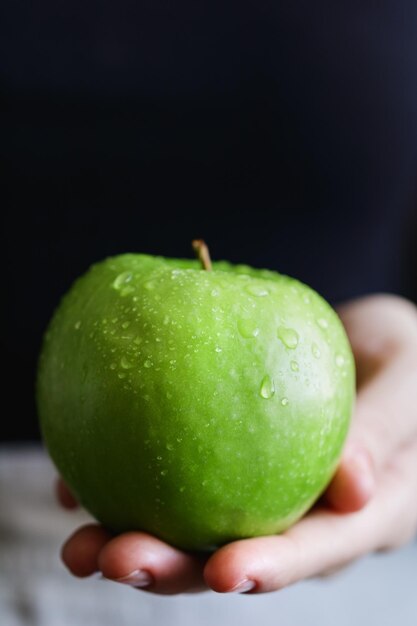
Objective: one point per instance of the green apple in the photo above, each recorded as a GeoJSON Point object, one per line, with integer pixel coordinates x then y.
{"type": "Point", "coordinates": [200, 406]}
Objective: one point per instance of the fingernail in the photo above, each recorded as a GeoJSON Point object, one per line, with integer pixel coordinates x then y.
{"type": "Point", "coordinates": [244, 586]}
{"type": "Point", "coordinates": [137, 578]}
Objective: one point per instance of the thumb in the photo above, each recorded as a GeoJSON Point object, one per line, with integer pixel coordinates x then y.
{"type": "Point", "coordinates": [384, 422]}
{"type": "Point", "coordinates": [354, 483]}
{"type": "Point", "coordinates": [383, 334]}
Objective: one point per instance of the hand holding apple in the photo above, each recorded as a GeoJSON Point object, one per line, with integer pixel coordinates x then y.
{"type": "Point", "coordinates": [200, 406]}
{"type": "Point", "coordinates": [383, 334]}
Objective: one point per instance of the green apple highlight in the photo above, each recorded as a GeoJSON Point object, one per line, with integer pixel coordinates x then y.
{"type": "Point", "coordinates": [200, 406]}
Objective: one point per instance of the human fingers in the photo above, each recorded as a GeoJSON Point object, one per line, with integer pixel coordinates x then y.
{"type": "Point", "coordinates": [323, 541]}
{"type": "Point", "coordinates": [64, 495]}
{"type": "Point", "coordinates": [81, 551]}
{"type": "Point", "coordinates": [143, 561]}
{"type": "Point", "coordinates": [135, 558]}
{"type": "Point", "coordinates": [383, 335]}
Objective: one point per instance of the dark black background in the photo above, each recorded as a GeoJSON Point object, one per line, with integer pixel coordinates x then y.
{"type": "Point", "coordinates": [284, 133]}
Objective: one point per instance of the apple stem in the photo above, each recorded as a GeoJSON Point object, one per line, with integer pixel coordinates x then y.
{"type": "Point", "coordinates": [202, 253]}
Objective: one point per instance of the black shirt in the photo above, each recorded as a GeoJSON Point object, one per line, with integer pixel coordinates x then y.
{"type": "Point", "coordinates": [284, 133]}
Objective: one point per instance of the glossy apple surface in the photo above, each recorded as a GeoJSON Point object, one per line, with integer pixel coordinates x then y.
{"type": "Point", "coordinates": [199, 406]}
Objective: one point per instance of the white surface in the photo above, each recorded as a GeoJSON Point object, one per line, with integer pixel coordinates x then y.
{"type": "Point", "coordinates": [36, 590]}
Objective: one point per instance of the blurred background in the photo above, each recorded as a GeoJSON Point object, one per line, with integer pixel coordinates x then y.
{"type": "Point", "coordinates": [284, 133]}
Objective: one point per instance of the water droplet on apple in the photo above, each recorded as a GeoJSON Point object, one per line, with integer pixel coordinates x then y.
{"type": "Point", "coordinates": [113, 366]}
{"type": "Point", "coordinates": [284, 401]}
{"type": "Point", "coordinates": [125, 363]}
{"type": "Point", "coordinates": [267, 389]}
{"type": "Point", "coordinates": [121, 375]}
{"type": "Point", "coordinates": [169, 446]}
{"type": "Point", "coordinates": [150, 285]}
{"type": "Point", "coordinates": [322, 323]}
{"type": "Point", "coordinates": [77, 325]}
{"type": "Point", "coordinates": [315, 351]}
{"type": "Point", "coordinates": [121, 280]}
{"type": "Point", "coordinates": [164, 472]}
{"type": "Point", "coordinates": [257, 290]}
{"type": "Point", "coordinates": [125, 325]}
{"type": "Point", "coordinates": [148, 363]}
{"type": "Point", "coordinates": [294, 366]}
{"type": "Point", "coordinates": [159, 458]}
{"type": "Point", "coordinates": [137, 341]}
{"type": "Point", "coordinates": [340, 361]}
{"type": "Point", "coordinates": [218, 349]}
{"type": "Point", "coordinates": [247, 328]}
{"type": "Point", "coordinates": [288, 336]}
{"type": "Point", "coordinates": [215, 292]}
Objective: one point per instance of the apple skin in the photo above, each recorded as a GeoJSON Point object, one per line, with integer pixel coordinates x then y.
{"type": "Point", "coordinates": [202, 407]}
